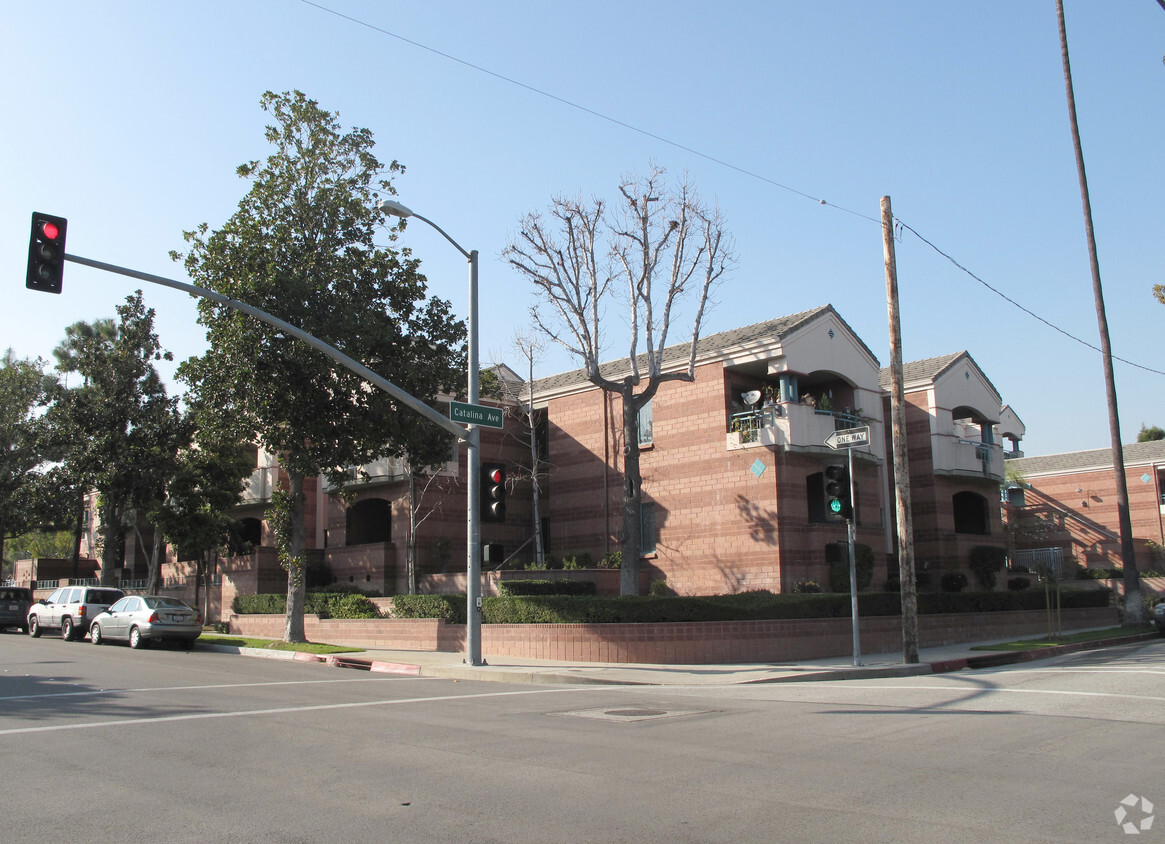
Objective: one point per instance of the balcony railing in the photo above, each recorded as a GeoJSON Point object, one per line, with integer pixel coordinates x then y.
{"type": "Point", "coordinates": [787, 424]}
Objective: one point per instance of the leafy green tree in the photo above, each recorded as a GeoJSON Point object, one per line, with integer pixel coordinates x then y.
{"type": "Point", "coordinates": [196, 514]}
{"type": "Point", "coordinates": [24, 394]}
{"type": "Point", "coordinates": [301, 247]}
{"type": "Point", "coordinates": [81, 338]}
{"type": "Point", "coordinates": [119, 431]}
{"type": "Point", "coordinates": [1150, 434]}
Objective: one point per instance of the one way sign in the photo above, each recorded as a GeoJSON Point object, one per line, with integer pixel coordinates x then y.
{"type": "Point", "coordinates": [848, 438]}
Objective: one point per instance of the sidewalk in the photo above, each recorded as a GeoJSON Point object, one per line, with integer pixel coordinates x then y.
{"type": "Point", "coordinates": [935, 660]}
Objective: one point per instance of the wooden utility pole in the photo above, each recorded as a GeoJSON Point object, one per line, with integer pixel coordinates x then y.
{"type": "Point", "coordinates": [901, 462]}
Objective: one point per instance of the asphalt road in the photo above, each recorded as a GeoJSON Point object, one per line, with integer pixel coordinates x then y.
{"type": "Point", "coordinates": [106, 744]}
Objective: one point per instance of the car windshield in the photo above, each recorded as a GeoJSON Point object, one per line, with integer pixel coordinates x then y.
{"type": "Point", "coordinates": [13, 594]}
{"type": "Point", "coordinates": [102, 596]}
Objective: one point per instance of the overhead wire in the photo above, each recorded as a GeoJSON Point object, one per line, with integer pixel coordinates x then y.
{"type": "Point", "coordinates": [721, 162]}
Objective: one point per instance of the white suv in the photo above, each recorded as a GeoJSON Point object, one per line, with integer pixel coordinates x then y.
{"type": "Point", "coordinates": [70, 609]}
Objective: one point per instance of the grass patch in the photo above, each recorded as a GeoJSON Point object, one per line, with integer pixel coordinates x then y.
{"type": "Point", "coordinates": [1071, 638]}
{"type": "Point", "coordinates": [277, 645]}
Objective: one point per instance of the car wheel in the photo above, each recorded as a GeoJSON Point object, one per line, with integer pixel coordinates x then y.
{"type": "Point", "coordinates": [95, 635]}
{"type": "Point", "coordinates": [67, 629]}
{"type": "Point", "coordinates": [33, 626]}
{"type": "Point", "coordinates": [135, 638]}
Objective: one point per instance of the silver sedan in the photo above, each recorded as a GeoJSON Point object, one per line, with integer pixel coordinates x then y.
{"type": "Point", "coordinates": [142, 619]}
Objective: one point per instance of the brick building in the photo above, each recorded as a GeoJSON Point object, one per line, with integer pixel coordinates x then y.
{"type": "Point", "coordinates": [1068, 501]}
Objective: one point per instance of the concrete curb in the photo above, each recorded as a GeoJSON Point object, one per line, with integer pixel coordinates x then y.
{"type": "Point", "coordinates": [1012, 657]}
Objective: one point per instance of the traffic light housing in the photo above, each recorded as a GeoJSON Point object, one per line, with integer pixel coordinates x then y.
{"type": "Point", "coordinates": [835, 477]}
{"type": "Point", "coordinates": [493, 492]}
{"type": "Point", "coordinates": [46, 253]}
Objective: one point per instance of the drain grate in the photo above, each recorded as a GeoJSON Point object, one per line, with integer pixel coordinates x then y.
{"type": "Point", "coordinates": [629, 713]}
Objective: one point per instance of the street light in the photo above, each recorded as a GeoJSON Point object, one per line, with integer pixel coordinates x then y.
{"type": "Point", "coordinates": [473, 456]}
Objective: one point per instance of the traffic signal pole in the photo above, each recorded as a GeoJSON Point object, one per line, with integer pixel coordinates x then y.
{"type": "Point", "coordinates": [853, 564]}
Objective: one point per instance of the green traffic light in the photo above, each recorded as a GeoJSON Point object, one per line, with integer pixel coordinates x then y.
{"type": "Point", "coordinates": [835, 505]}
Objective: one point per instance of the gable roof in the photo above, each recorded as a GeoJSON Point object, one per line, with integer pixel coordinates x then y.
{"type": "Point", "coordinates": [930, 369]}
{"type": "Point", "coordinates": [1097, 458]}
{"type": "Point", "coordinates": [709, 348]}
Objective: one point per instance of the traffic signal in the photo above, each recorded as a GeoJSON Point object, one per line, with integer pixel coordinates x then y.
{"type": "Point", "coordinates": [46, 253]}
{"type": "Point", "coordinates": [493, 492]}
{"type": "Point", "coordinates": [836, 486]}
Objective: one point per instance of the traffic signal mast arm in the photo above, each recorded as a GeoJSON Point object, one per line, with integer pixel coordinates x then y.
{"type": "Point", "coordinates": [332, 352]}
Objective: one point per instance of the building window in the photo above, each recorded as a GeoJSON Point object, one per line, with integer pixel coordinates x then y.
{"type": "Point", "coordinates": [647, 527]}
{"type": "Point", "coordinates": [970, 511]}
{"type": "Point", "coordinates": [645, 424]}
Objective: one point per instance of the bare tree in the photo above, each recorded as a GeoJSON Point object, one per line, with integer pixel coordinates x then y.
{"type": "Point", "coordinates": [530, 346]}
{"type": "Point", "coordinates": [660, 247]}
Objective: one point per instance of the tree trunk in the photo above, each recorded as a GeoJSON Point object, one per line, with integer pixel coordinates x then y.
{"type": "Point", "coordinates": [200, 566]}
{"type": "Point", "coordinates": [293, 630]}
{"type": "Point", "coordinates": [411, 544]}
{"type": "Point", "coordinates": [631, 541]}
{"type": "Point", "coordinates": [113, 551]}
{"type": "Point", "coordinates": [78, 531]}
{"type": "Point", "coordinates": [154, 585]}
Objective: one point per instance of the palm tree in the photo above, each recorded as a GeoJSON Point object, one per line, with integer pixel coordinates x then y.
{"type": "Point", "coordinates": [1134, 607]}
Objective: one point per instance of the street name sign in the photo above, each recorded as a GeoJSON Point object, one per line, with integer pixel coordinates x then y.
{"type": "Point", "coordinates": [849, 438]}
{"type": "Point", "coordinates": [475, 414]}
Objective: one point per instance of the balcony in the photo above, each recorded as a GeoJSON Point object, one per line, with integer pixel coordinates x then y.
{"type": "Point", "coordinates": [957, 456]}
{"type": "Point", "coordinates": [259, 486]}
{"type": "Point", "coordinates": [787, 425]}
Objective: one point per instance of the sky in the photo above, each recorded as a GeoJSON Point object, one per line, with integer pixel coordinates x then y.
{"type": "Point", "coordinates": [129, 118]}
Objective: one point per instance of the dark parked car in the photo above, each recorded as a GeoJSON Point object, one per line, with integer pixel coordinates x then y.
{"type": "Point", "coordinates": [141, 619]}
{"type": "Point", "coordinates": [14, 604]}
{"type": "Point", "coordinates": [1159, 615]}
{"type": "Point", "coordinates": [71, 609]}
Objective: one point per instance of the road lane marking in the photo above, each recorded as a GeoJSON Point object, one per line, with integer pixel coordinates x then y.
{"type": "Point", "coordinates": [284, 710]}
{"type": "Point", "coordinates": [189, 688]}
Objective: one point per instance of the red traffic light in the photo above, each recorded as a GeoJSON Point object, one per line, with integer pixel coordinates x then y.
{"type": "Point", "coordinates": [495, 476]}
{"type": "Point", "coordinates": [49, 229]}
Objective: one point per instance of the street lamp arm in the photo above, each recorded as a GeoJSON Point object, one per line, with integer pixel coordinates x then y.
{"type": "Point", "coordinates": [395, 209]}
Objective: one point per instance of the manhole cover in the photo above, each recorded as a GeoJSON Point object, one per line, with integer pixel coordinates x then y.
{"type": "Point", "coordinates": [626, 714]}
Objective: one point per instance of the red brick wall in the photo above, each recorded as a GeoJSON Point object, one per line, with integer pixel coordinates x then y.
{"type": "Point", "coordinates": [700, 643]}
{"type": "Point", "coordinates": [720, 527]}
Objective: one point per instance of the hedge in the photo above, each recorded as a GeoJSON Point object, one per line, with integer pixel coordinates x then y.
{"type": "Point", "coordinates": [322, 604]}
{"type": "Point", "coordinates": [745, 606]}
{"type": "Point", "coordinates": [548, 587]}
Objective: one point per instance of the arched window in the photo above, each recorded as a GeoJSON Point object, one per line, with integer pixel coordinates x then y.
{"type": "Point", "coordinates": [970, 513]}
{"type": "Point", "coordinates": [369, 521]}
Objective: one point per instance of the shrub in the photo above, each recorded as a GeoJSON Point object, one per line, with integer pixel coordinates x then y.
{"type": "Point", "coordinates": [658, 588]}
{"type": "Point", "coordinates": [580, 560]}
{"type": "Point", "coordinates": [953, 581]}
{"type": "Point", "coordinates": [987, 561]}
{"type": "Point", "coordinates": [614, 560]}
{"type": "Point", "coordinates": [322, 604]}
{"type": "Point", "coordinates": [547, 587]}
{"type": "Point", "coordinates": [448, 607]}
{"type": "Point", "coordinates": [806, 587]}
{"type": "Point", "coordinates": [836, 554]}
{"type": "Point", "coordinates": [1018, 584]}
{"type": "Point", "coordinates": [1098, 573]}
{"type": "Point", "coordinates": [272, 604]}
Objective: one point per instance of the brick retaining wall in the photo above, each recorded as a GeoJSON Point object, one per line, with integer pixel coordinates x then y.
{"type": "Point", "coordinates": [680, 643]}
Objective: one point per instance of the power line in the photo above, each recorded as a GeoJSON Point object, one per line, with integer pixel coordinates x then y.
{"type": "Point", "coordinates": [719, 161]}
{"type": "Point", "coordinates": [1008, 299]}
